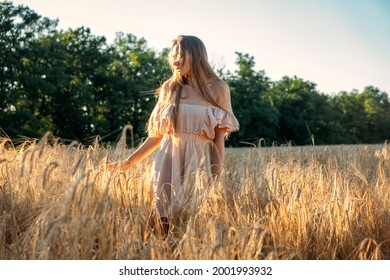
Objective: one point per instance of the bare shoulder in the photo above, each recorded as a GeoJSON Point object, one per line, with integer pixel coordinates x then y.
{"type": "Point", "coordinates": [221, 92]}
{"type": "Point", "coordinates": [220, 86]}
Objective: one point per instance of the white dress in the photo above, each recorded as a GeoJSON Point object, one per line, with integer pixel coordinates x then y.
{"type": "Point", "coordinates": [184, 155]}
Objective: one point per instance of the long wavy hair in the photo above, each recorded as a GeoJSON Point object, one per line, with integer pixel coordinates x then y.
{"type": "Point", "coordinates": [193, 51]}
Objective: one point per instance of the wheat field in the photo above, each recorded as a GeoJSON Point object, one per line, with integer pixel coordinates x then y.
{"type": "Point", "coordinates": [315, 202]}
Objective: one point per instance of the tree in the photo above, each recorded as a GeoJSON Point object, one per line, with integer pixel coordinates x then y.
{"type": "Point", "coordinates": [135, 73]}
{"type": "Point", "coordinates": [58, 80]}
{"type": "Point", "coordinates": [76, 86]}
{"type": "Point", "coordinates": [377, 112]}
{"type": "Point", "coordinates": [19, 28]}
{"type": "Point", "coordinates": [305, 115]}
{"type": "Point", "coordinates": [365, 116]}
{"type": "Point", "coordinates": [252, 103]}
{"type": "Point", "coordinates": [71, 82]}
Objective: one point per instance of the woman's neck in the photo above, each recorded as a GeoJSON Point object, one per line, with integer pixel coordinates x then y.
{"type": "Point", "coordinates": [189, 81]}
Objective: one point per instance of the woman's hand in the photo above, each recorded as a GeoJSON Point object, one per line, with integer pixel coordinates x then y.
{"type": "Point", "coordinates": [146, 148]}
{"type": "Point", "coordinates": [110, 167]}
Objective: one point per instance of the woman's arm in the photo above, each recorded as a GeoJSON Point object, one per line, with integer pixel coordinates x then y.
{"type": "Point", "coordinates": [146, 148]}
{"type": "Point", "coordinates": [218, 152]}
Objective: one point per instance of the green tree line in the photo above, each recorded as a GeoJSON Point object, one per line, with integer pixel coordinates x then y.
{"type": "Point", "coordinates": [77, 86]}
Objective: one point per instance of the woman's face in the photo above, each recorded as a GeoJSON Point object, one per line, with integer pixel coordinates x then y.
{"type": "Point", "coordinates": [181, 65]}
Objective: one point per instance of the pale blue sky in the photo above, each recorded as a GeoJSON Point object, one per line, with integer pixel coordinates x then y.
{"type": "Point", "coordinates": [337, 44]}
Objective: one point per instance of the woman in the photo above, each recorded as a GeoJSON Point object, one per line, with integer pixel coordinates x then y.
{"type": "Point", "coordinates": [188, 126]}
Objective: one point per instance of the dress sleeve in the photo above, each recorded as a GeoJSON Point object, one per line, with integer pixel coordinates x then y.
{"type": "Point", "coordinates": [223, 113]}
{"type": "Point", "coordinates": [160, 121]}
{"type": "Point", "coordinates": [217, 117]}
{"type": "Point", "coordinates": [226, 119]}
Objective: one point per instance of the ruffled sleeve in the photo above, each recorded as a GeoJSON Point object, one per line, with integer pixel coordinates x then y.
{"type": "Point", "coordinates": [217, 117]}
{"type": "Point", "coordinates": [160, 121]}
{"type": "Point", "coordinates": [226, 120]}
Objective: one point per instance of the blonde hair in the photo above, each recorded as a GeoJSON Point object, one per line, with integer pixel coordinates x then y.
{"type": "Point", "coordinates": [192, 50]}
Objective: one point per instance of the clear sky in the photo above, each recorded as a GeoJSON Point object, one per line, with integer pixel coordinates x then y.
{"type": "Point", "coordinates": [337, 44]}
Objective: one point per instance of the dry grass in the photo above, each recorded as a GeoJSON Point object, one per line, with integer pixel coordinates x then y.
{"type": "Point", "coordinates": [277, 203]}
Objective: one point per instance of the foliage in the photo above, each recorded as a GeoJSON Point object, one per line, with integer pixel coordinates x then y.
{"type": "Point", "coordinates": [78, 86]}
{"type": "Point", "coordinates": [364, 116]}
{"type": "Point", "coordinates": [252, 102]}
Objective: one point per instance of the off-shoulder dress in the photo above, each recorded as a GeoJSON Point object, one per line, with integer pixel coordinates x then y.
{"type": "Point", "coordinates": [185, 155]}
